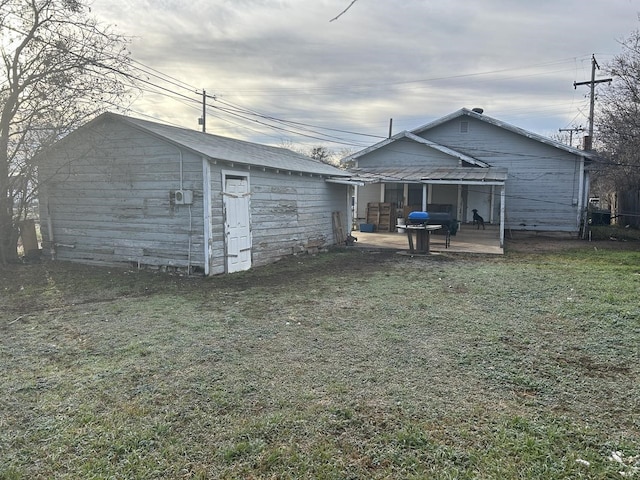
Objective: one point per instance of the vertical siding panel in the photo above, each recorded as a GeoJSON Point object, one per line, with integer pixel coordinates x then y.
{"type": "Point", "coordinates": [217, 222]}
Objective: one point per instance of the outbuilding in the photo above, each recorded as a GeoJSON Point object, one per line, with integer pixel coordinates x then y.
{"type": "Point", "coordinates": [122, 190]}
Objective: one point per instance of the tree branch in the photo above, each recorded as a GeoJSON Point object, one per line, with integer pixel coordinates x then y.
{"type": "Point", "coordinates": [343, 12]}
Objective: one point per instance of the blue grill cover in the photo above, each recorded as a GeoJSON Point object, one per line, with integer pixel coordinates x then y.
{"type": "Point", "coordinates": [418, 217]}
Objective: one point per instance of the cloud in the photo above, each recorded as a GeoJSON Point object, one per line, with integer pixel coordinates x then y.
{"type": "Point", "coordinates": [411, 60]}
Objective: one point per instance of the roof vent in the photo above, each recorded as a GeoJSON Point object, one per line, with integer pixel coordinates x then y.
{"type": "Point", "coordinates": [478, 110]}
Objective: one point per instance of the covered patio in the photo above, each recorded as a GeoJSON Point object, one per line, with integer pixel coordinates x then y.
{"type": "Point", "coordinates": [468, 239]}
{"type": "Point", "coordinates": [459, 189]}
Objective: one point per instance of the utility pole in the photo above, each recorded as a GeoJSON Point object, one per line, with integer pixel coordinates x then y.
{"type": "Point", "coordinates": [203, 119]}
{"type": "Point", "coordinates": [571, 130]}
{"type": "Point", "coordinates": [588, 141]}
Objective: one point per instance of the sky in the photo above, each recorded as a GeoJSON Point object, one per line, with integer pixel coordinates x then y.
{"type": "Point", "coordinates": [283, 73]}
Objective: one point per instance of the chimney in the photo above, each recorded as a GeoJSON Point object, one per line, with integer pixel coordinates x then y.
{"type": "Point", "coordinates": [478, 110]}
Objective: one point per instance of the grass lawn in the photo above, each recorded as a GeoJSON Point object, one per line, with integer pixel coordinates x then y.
{"type": "Point", "coordinates": [346, 365]}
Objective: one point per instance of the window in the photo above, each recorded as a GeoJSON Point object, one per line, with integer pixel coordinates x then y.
{"type": "Point", "coordinates": [393, 193]}
{"type": "Point", "coordinates": [415, 195]}
{"type": "Point", "coordinates": [464, 127]}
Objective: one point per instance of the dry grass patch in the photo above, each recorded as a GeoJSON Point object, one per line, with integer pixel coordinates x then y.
{"type": "Point", "coordinates": [344, 365]}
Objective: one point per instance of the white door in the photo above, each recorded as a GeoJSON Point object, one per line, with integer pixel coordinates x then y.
{"type": "Point", "coordinates": [236, 223]}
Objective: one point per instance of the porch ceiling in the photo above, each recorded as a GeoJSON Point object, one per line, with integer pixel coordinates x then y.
{"type": "Point", "coordinates": [447, 175]}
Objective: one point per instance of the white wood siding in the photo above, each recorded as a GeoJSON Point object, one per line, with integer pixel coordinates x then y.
{"type": "Point", "coordinates": [479, 197]}
{"type": "Point", "coordinates": [109, 190]}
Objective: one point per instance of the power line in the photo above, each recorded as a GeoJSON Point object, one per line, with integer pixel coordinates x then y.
{"type": "Point", "coordinates": [301, 127]}
{"type": "Point", "coordinates": [288, 130]}
{"type": "Point", "coordinates": [291, 122]}
{"type": "Point", "coordinates": [571, 132]}
{"type": "Point", "coordinates": [309, 91]}
{"type": "Point", "coordinates": [163, 76]}
{"type": "Point", "coordinates": [152, 84]}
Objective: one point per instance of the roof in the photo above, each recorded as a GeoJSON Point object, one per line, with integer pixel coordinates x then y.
{"type": "Point", "coordinates": [498, 123]}
{"type": "Point", "coordinates": [216, 147]}
{"type": "Point", "coordinates": [414, 135]}
{"type": "Point", "coordinates": [452, 175]}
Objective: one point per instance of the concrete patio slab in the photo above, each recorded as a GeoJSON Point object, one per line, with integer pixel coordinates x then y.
{"type": "Point", "coordinates": [467, 240]}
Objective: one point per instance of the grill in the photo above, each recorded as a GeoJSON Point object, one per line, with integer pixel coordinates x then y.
{"type": "Point", "coordinates": [418, 218]}
{"type": "Point", "coordinates": [449, 224]}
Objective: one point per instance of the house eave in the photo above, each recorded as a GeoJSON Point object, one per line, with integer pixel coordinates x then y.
{"type": "Point", "coordinates": [345, 181]}
{"type": "Point", "coordinates": [442, 175]}
{"type": "Point", "coordinates": [463, 182]}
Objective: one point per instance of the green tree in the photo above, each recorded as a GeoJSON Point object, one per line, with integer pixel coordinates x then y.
{"type": "Point", "coordinates": [60, 68]}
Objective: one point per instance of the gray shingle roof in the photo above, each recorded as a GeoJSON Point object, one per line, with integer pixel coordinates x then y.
{"type": "Point", "coordinates": [228, 149]}
{"type": "Point", "coordinates": [506, 126]}
{"type": "Point", "coordinates": [414, 135]}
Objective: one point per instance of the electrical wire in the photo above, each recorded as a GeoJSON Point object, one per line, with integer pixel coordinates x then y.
{"type": "Point", "coordinates": [288, 130]}
{"type": "Point", "coordinates": [306, 130]}
{"type": "Point", "coordinates": [344, 88]}
{"type": "Point", "coordinates": [291, 122]}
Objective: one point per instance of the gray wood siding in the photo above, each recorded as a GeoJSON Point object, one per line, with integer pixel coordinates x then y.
{"type": "Point", "coordinates": [217, 261]}
{"type": "Point", "coordinates": [543, 183]}
{"type": "Point", "coordinates": [406, 153]}
{"type": "Point", "coordinates": [109, 199]}
{"type": "Point", "coordinates": [290, 214]}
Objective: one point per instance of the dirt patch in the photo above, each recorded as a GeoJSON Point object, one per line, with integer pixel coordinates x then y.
{"type": "Point", "coordinates": [49, 285]}
{"type": "Point", "coordinates": [306, 269]}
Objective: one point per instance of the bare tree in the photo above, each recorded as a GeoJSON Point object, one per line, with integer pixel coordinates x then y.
{"type": "Point", "coordinates": [60, 68]}
{"type": "Point", "coordinates": [329, 156]}
{"type": "Point", "coordinates": [619, 116]}
{"type": "Point", "coordinates": [321, 154]}
{"type": "Point", "coordinates": [618, 122]}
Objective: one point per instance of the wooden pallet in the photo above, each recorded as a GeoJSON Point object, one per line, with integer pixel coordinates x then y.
{"type": "Point", "coordinates": [382, 215]}
{"type": "Point", "coordinates": [338, 229]}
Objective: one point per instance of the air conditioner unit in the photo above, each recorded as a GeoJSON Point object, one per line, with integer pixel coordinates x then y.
{"type": "Point", "coordinates": [183, 197]}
